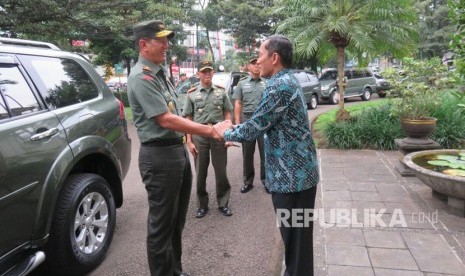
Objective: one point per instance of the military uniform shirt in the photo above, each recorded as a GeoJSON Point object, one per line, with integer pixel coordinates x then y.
{"type": "Point", "coordinates": [151, 94]}
{"type": "Point", "coordinates": [291, 161]}
{"type": "Point", "coordinates": [249, 91]}
{"type": "Point", "coordinates": [207, 105]}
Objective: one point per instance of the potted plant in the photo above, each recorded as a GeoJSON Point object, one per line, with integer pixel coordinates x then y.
{"type": "Point", "coordinates": [416, 99]}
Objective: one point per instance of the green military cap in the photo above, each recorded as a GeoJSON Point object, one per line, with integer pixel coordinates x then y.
{"type": "Point", "coordinates": [253, 60]}
{"type": "Point", "coordinates": [206, 64]}
{"type": "Point", "coordinates": [151, 29]}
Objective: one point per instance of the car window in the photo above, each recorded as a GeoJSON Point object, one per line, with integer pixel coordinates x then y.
{"type": "Point", "coordinates": [17, 97]}
{"type": "Point", "coordinates": [329, 75]}
{"type": "Point", "coordinates": [301, 77]}
{"type": "Point", "coordinates": [63, 81]}
{"type": "Point", "coordinates": [357, 74]}
{"type": "Point", "coordinates": [312, 78]}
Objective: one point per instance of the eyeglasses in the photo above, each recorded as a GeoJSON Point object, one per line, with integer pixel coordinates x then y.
{"type": "Point", "coordinates": [163, 41]}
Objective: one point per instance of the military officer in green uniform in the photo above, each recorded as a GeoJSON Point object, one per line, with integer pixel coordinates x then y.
{"type": "Point", "coordinates": [209, 104]}
{"type": "Point", "coordinates": [248, 94]}
{"type": "Point", "coordinates": [163, 158]}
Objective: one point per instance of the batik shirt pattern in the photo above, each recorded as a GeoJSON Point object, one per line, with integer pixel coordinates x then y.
{"type": "Point", "coordinates": [290, 154]}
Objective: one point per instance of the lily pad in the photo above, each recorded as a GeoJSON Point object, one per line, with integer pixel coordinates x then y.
{"type": "Point", "coordinates": [448, 161]}
{"type": "Point", "coordinates": [443, 163]}
{"type": "Point", "coordinates": [454, 172]}
{"type": "Point", "coordinates": [446, 157]}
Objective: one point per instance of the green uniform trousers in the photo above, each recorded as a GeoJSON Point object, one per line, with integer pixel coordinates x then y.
{"type": "Point", "coordinates": [219, 156]}
{"type": "Point", "coordinates": [166, 173]}
{"type": "Point", "coordinates": [248, 152]}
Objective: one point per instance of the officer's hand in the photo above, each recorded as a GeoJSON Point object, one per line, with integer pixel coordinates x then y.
{"type": "Point", "coordinates": [222, 127]}
{"type": "Point", "coordinates": [192, 149]}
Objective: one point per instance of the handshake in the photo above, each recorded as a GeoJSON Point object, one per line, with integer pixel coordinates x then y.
{"type": "Point", "coordinates": [220, 128]}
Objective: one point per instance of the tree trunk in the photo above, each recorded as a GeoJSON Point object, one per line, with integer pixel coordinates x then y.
{"type": "Point", "coordinates": [340, 76]}
{"type": "Point", "coordinates": [210, 45]}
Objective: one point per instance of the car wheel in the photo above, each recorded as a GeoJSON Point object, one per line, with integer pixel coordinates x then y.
{"type": "Point", "coordinates": [382, 94]}
{"type": "Point", "coordinates": [83, 225]}
{"type": "Point", "coordinates": [366, 95]}
{"type": "Point", "coordinates": [334, 97]}
{"type": "Point", "coordinates": [313, 102]}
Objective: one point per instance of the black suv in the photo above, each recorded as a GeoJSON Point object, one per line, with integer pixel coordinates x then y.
{"type": "Point", "coordinates": [64, 152]}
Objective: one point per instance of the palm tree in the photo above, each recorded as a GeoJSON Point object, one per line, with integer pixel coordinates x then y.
{"type": "Point", "coordinates": [366, 27]}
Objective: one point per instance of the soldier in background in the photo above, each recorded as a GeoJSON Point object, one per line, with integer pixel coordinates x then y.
{"type": "Point", "coordinates": [209, 104]}
{"type": "Point", "coordinates": [248, 94]}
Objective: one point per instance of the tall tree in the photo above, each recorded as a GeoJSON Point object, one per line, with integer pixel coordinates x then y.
{"type": "Point", "coordinates": [435, 29]}
{"type": "Point", "coordinates": [247, 20]}
{"type": "Point", "coordinates": [106, 23]}
{"type": "Point", "coordinates": [365, 27]}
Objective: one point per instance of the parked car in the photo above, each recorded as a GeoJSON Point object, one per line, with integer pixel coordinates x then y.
{"type": "Point", "coordinates": [382, 85]}
{"type": "Point", "coordinates": [182, 89]}
{"type": "Point", "coordinates": [64, 152]}
{"type": "Point", "coordinates": [117, 84]}
{"type": "Point", "coordinates": [228, 80]}
{"type": "Point", "coordinates": [310, 87]}
{"type": "Point", "coordinates": [360, 83]}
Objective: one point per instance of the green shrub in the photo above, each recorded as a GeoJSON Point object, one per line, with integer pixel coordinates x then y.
{"type": "Point", "coordinates": [450, 130]}
{"type": "Point", "coordinates": [372, 128]}
{"type": "Point", "coordinates": [376, 128]}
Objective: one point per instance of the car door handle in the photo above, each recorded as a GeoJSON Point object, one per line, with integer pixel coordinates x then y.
{"type": "Point", "coordinates": [45, 134]}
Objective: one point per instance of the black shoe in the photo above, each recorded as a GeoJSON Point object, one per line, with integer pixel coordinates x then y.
{"type": "Point", "coordinates": [267, 190]}
{"type": "Point", "coordinates": [246, 188]}
{"type": "Point", "coordinates": [225, 211]}
{"type": "Point", "coordinates": [201, 212]}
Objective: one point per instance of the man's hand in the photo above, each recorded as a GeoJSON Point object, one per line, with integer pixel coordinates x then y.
{"type": "Point", "coordinates": [223, 126]}
{"type": "Point", "coordinates": [192, 148]}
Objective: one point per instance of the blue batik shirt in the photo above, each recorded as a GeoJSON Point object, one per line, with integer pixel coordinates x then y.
{"type": "Point", "coordinates": [290, 154]}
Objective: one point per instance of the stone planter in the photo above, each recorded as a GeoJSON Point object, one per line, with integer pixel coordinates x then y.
{"type": "Point", "coordinates": [449, 186]}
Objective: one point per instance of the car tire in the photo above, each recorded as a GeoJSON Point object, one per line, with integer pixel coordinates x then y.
{"type": "Point", "coordinates": [334, 97]}
{"type": "Point", "coordinates": [366, 95]}
{"type": "Point", "coordinates": [313, 102]}
{"type": "Point", "coordinates": [382, 95]}
{"type": "Point", "coordinates": [83, 225]}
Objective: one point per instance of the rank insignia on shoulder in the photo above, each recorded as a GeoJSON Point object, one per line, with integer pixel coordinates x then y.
{"type": "Point", "coordinates": [147, 69]}
{"type": "Point", "coordinates": [147, 77]}
{"type": "Point", "coordinates": [191, 89]}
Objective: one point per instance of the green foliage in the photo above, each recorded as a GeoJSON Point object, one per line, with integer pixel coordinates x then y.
{"type": "Point", "coordinates": [449, 132]}
{"type": "Point", "coordinates": [372, 128]}
{"type": "Point", "coordinates": [247, 20]}
{"type": "Point", "coordinates": [376, 127]}
{"type": "Point", "coordinates": [365, 27]}
{"type": "Point", "coordinates": [457, 14]}
{"type": "Point", "coordinates": [417, 87]}
{"type": "Point", "coordinates": [435, 28]}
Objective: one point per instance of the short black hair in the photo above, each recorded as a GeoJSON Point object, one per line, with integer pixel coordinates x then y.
{"type": "Point", "coordinates": [281, 45]}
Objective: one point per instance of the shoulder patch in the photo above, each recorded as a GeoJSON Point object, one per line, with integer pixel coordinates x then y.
{"type": "Point", "coordinates": [147, 77]}
{"type": "Point", "coordinates": [191, 89]}
{"type": "Point", "coordinates": [146, 69]}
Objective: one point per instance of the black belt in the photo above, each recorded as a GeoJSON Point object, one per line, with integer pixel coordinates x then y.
{"type": "Point", "coordinates": [165, 142]}
{"type": "Point", "coordinates": [209, 124]}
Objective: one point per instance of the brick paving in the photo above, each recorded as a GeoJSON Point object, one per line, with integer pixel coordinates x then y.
{"type": "Point", "coordinates": [373, 221]}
